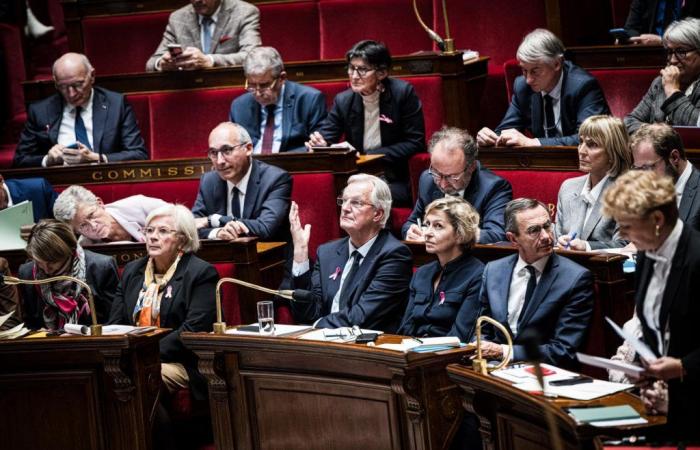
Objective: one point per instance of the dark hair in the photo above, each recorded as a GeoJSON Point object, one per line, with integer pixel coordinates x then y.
{"type": "Point", "coordinates": [374, 52]}
{"type": "Point", "coordinates": [662, 137]}
{"type": "Point", "coordinates": [51, 241]}
{"type": "Point", "coordinates": [514, 207]}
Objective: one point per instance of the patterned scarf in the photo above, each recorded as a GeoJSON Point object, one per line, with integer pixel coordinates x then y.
{"type": "Point", "coordinates": [64, 301]}
{"type": "Point", "coordinates": [147, 310]}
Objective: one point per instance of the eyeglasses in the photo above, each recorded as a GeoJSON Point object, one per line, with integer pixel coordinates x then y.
{"type": "Point", "coordinates": [225, 150]}
{"type": "Point", "coordinates": [86, 225]}
{"type": "Point", "coordinates": [361, 70]}
{"type": "Point", "coordinates": [536, 230]}
{"type": "Point", "coordinates": [650, 166]}
{"type": "Point", "coordinates": [681, 53]}
{"type": "Point", "coordinates": [161, 232]}
{"type": "Point", "coordinates": [266, 87]}
{"type": "Point", "coordinates": [78, 86]}
{"type": "Point", "coordinates": [451, 178]}
{"type": "Point", "coordinates": [354, 203]}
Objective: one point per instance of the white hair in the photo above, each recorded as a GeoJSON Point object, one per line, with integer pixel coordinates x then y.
{"type": "Point", "coordinates": [540, 46]}
{"type": "Point", "coordinates": [184, 224]}
{"type": "Point", "coordinates": [262, 59]}
{"type": "Point", "coordinates": [686, 31]}
{"type": "Point", "coordinates": [67, 203]}
{"type": "Point", "coordinates": [380, 197]}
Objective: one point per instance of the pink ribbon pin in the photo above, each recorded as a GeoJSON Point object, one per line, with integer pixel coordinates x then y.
{"type": "Point", "coordinates": [169, 292]}
{"type": "Point", "coordinates": [335, 274]}
{"type": "Point", "coordinates": [383, 118]}
{"type": "Point", "coordinates": [442, 297]}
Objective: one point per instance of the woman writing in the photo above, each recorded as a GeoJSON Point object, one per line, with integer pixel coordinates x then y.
{"type": "Point", "coordinates": [447, 288]}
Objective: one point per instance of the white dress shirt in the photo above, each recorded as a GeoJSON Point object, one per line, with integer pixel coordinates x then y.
{"type": "Point", "coordinates": [653, 299]}
{"type": "Point", "coordinates": [242, 188]}
{"type": "Point", "coordinates": [555, 93]}
{"type": "Point", "coordinates": [590, 197]}
{"type": "Point", "coordinates": [682, 181]}
{"type": "Point", "coordinates": [66, 131]}
{"type": "Point", "coordinates": [277, 135]}
{"type": "Point", "coordinates": [518, 287]}
{"type": "Point", "coordinates": [212, 27]}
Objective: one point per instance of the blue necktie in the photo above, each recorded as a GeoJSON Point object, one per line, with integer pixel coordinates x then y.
{"type": "Point", "coordinates": [80, 131]}
{"type": "Point", "coordinates": [206, 33]}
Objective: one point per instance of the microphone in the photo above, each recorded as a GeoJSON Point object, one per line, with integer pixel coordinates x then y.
{"type": "Point", "coordinates": [433, 35]}
{"type": "Point", "coordinates": [295, 295]}
{"type": "Point", "coordinates": [530, 340]}
{"type": "Point", "coordinates": [95, 328]}
{"type": "Point", "coordinates": [447, 45]}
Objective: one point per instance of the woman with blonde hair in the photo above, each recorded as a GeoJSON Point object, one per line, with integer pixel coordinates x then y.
{"type": "Point", "coordinates": [603, 154]}
{"type": "Point", "coordinates": [666, 285]}
{"type": "Point", "coordinates": [444, 294]}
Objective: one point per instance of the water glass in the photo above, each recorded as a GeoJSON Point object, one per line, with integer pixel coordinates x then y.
{"type": "Point", "coordinates": [266, 317]}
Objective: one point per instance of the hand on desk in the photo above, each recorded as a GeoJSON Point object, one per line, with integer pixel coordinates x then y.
{"type": "Point", "coordinates": [490, 350]}
{"type": "Point", "coordinates": [573, 244]}
{"type": "Point", "coordinates": [655, 397]}
{"type": "Point", "coordinates": [232, 230]}
{"type": "Point", "coordinates": [646, 39]}
{"type": "Point", "coordinates": [315, 140]}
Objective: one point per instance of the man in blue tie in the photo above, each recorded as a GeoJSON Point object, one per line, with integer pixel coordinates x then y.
{"type": "Point", "coordinates": [361, 279]}
{"type": "Point", "coordinates": [80, 124]}
{"type": "Point", "coordinates": [242, 196]}
{"type": "Point", "coordinates": [535, 288]}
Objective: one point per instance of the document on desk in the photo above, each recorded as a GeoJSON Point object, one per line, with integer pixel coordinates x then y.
{"type": "Point", "coordinates": [423, 345]}
{"type": "Point", "coordinates": [342, 334]}
{"type": "Point", "coordinates": [11, 220]}
{"type": "Point", "coordinates": [607, 416]}
{"type": "Point", "coordinates": [610, 364]}
{"type": "Point", "coordinates": [281, 330]}
{"type": "Point", "coordinates": [640, 347]}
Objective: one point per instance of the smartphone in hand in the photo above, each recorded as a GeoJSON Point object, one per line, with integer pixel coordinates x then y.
{"type": "Point", "coordinates": [175, 50]}
{"type": "Point", "coordinates": [621, 35]}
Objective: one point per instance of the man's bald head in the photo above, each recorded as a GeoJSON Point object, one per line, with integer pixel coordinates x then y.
{"type": "Point", "coordinates": [74, 77]}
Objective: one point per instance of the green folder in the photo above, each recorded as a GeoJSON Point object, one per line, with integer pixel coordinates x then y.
{"type": "Point", "coordinates": [604, 413]}
{"type": "Point", "coordinates": [11, 219]}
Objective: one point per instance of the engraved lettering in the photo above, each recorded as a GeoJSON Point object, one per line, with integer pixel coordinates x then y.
{"type": "Point", "coordinates": [97, 176]}
{"type": "Point", "coordinates": [172, 171]}
{"type": "Point", "coordinates": [129, 173]}
{"type": "Point", "coordinates": [189, 170]}
{"type": "Point", "coordinates": [145, 173]}
{"type": "Point", "coordinates": [113, 175]}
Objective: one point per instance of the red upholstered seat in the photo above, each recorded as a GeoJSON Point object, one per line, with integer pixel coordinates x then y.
{"type": "Point", "coordinates": [181, 121]}
{"type": "Point", "coordinates": [624, 88]}
{"type": "Point", "coordinates": [416, 165]}
{"type": "Point", "coordinates": [315, 195]}
{"type": "Point", "coordinates": [141, 105]}
{"type": "Point", "coordinates": [330, 89]}
{"type": "Point", "coordinates": [182, 191]}
{"type": "Point", "coordinates": [279, 21]}
{"type": "Point", "coordinates": [122, 43]}
{"type": "Point", "coordinates": [541, 185]}
{"type": "Point", "coordinates": [230, 300]}
{"type": "Point", "coordinates": [399, 216]}
{"type": "Point", "coordinates": [345, 22]}
{"type": "Point", "coordinates": [512, 70]}
{"type": "Point", "coordinates": [7, 153]}
{"type": "Point", "coordinates": [12, 105]}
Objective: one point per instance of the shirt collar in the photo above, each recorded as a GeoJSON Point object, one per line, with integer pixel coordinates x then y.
{"type": "Point", "coordinates": [214, 17]}
{"type": "Point", "coordinates": [555, 93]}
{"type": "Point", "coordinates": [666, 251]}
{"type": "Point", "coordinates": [591, 195]}
{"type": "Point", "coordinates": [539, 265]}
{"type": "Point", "coordinates": [280, 100]}
{"type": "Point", "coordinates": [243, 184]}
{"type": "Point", "coordinates": [683, 179]}
{"type": "Point", "coordinates": [364, 248]}
{"type": "Point", "coordinates": [9, 196]}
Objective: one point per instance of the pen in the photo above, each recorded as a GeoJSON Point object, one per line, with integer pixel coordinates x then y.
{"type": "Point", "coordinates": [568, 244]}
{"type": "Point", "coordinates": [416, 339]}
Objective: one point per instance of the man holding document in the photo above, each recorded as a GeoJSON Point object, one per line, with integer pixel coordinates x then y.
{"type": "Point", "coordinates": [667, 280]}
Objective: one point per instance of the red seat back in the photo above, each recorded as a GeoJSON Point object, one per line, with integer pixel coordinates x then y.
{"type": "Point", "coordinates": [230, 301]}
{"type": "Point", "coordinates": [123, 43]}
{"type": "Point", "coordinates": [315, 195]}
{"type": "Point", "coordinates": [624, 88]}
{"type": "Point", "coordinates": [512, 70]}
{"type": "Point", "coordinates": [279, 21]}
{"type": "Point", "coordinates": [538, 184]}
{"type": "Point", "coordinates": [141, 105]}
{"type": "Point", "coordinates": [14, 74]}
{"type": "Point", "coordinates": [416, 165]}
{"type": "Point", "coordinates": [175, 191]}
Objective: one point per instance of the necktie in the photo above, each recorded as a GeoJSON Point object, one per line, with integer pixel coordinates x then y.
{"type": "Point", "coordinates": [206, 34]}
{"type": "Point", "coordinates": [269, 132]}
{"type": "Point", "coordinates": [80, 130]}
{"type": "Point", "coordinates": [550, 125]}
{"type": "Point", "coordinates": [235, 203]}
{"type": "Point", "coordinates": [350, 279]}
{"type": "Point", "coordinates": [531, 285]}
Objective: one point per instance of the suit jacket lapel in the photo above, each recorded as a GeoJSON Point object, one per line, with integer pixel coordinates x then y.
{"type": "Point", "coordinates": [251, 193]}
{"type": "Point", "coordinates": [365, 266]}
{"type": "Point", "coordinates": [675, 276]}
{"type": "Point", "coordinates": [100, 106]}
{"type": "Point", "coordinates": [499, 301]}
{"type": "Point", "coordinates": [132, 297]}
{"type": "Point", "coordinates": [219, 196]}
{"type": "Point", "coordinates": [55, 111]}
{"type": "Point", "coordinates": [595, 216]}
{"type": "Point", "coordinates": [221, 25]}
{"type": "Point", "coordinates": [691, 188]}
{"type": "Point", "coordinates": [287, 108]}
{"type": "Point", "coordinates": [339, 259]}
{"type": "Point", "coordinates": [170, 291]}
{"type": "Point", "coordinates": [549, 274]}
{"type": "Point", "coordinates": [645, 266]}
{"type": "Point", "coordinates": [386, 109]}
{"type": "Point", "coordinates": [356, 119]}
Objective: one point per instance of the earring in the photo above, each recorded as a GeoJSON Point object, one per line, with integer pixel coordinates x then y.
{"type": "Point", "coordinates": [656, 231]}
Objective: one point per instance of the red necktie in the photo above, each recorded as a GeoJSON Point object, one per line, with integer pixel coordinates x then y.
{"type": "Point", "coordinates": [269, 132]}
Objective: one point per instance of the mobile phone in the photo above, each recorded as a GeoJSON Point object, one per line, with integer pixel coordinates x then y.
{"type": "Point", "coordinates": [581, 379]}
{"type": "Point", "coordinates": [175, 50]}
{"type": "Point", "coordinates": [364, 338]}
{"type": "Point", "coordinates": [620, 34]}
{"type": "Point", "coordinates": [74, 145]}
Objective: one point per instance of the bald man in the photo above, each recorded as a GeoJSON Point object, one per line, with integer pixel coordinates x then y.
{"type": "Point", "coordinates": [80, 124]}
{"type": "Point", "coordinates": [242, 196]}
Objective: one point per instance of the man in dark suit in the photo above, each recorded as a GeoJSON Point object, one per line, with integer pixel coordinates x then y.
{"type": "Point", "coordinates": [358, 280]}
{"type": "Point", "coordinates": [550, 100]}
{"type": "Point", "coordinates": [243, 197]}
{"type": "Point", "coordinates": [659, 147]}
{"type": "Point", "coordinates": [647, 19]}
{"type": "Point", "coordinates": [37, 190]}
{"type": "Point", "coordinates": [536, 289]}
{"type": "Point", "coordinates": [454, 170]}
{"type": "Point", "coordinates": [80, 124]}
{"type": "Point", "coordinates": [277, 113]}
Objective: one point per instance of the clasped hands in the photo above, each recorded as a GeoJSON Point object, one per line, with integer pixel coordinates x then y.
{"type": "Point", "coordinates": [511, 137]}
{"type": "Point", "coordinates": [60, 154]}
{"type": "Point", "coordinates": [191, 58]}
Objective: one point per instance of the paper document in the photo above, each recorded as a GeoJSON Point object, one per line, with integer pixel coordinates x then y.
{"type": "Point", "coordinates": [343, 334]}
{"type": "Point", "coordinates": [11, 220]}
{"type": "Point", "coordinates": [4, 317]}
{"type": "Point", "coordinates": [280, 330]}
{"type": "Point", "coordinates": [610, 364]}
{"type": "Point", "coordinates": [640, 347]}
{"type": "Point", "coordinates": [604, 413]}
{"type": "Point", "coordinates": [107, 330]}
{"type": "Point", "coordinates": [15, 332]}
{"type": "Point", "coordinates": [423, 345]}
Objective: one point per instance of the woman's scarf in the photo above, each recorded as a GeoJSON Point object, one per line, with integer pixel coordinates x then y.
{"type": "Point", "coordinates": [147, 310]}
{"type": "Point", "coordinates": [64, 301]}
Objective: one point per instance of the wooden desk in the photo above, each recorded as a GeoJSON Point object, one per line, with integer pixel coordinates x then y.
{"type": "Point", "coordinates": [79, 392]}
{"type": "Point", "coordinates": [618, 56]}
{"type": "Point", "coordinates": [513, 419]}
{"type": "Point", "coordinates": [268, 392]}
{"type": "Point", "coordinates": [610, 281]}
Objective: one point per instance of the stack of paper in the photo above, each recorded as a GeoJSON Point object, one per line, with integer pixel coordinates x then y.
{"type": "Point", "coordinates": [107, 330]}
{"type": "Point", "coordinates": [11, 220]}
{"type": "Point", "coordinates": [14, 332]}
{"type": "Point", "coordinates": [607, 416]}
{"type": "Point", "coordinates": [423, 345]}
{"type": "Point", "coordinates": [342, 334]}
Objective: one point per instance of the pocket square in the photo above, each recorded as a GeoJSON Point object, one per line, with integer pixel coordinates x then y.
{"type": "Point", "coordinates": [224, 39]}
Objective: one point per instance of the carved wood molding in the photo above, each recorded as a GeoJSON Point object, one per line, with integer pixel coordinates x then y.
{"type": "Point", "coordinates": [211, 366]}
{"type": "Point", "coordinates": [123, 385]}
{"type": "Point", "coordinates": [485, 425]}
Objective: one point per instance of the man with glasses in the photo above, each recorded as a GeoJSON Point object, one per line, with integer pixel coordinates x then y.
{"type": "Point", "coordinates": [277, 113]}
{"type": "Point", "coordinates": [674, 96]}
{"type": "Point", "coordinates": [207, 33]}
{"type": "Point", "coordinates": [658, 147]}
{"type": "Point", "coordinates": [361, 279]}
{"type": "Point", "coordinates": [80, 124]}
{"type": "Point", "coordinates": [241, 196]}
{"type": "Point", "coordinates": [536, 288]}
{"type": "Point", "coordinates": [454, 170]}
{"type": "Point", "coordinates": [97, 223]}
{"type": "Point", "coordinates": [551, 99]}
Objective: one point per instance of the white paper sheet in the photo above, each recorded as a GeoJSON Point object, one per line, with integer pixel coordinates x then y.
{"type": "Point", "coordinates": [280, 330]}
{"type": "Point", "coordinates": [640, 347]}
{"type": "Point", "coordinates": [343, 334]}
{"type": "Point", "coordinates": [604, 363]}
